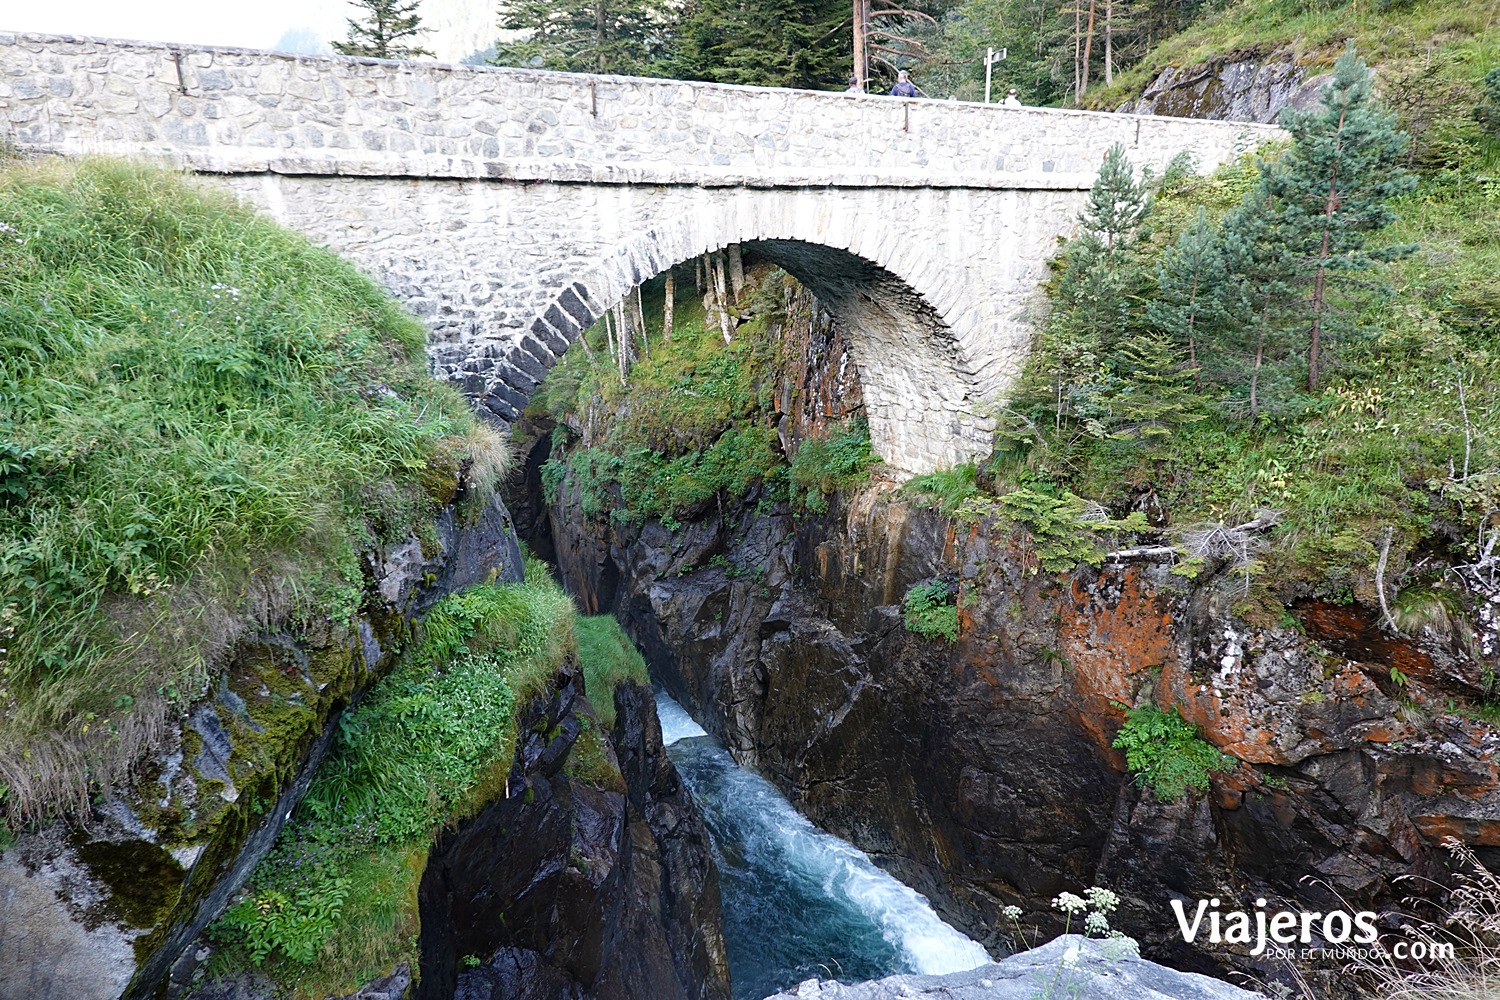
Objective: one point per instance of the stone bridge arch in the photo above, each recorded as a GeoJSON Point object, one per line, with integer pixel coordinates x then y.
{"type": "Point", "coordinates": [917, 377]}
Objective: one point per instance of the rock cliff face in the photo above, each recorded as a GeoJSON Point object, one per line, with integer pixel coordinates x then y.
{"type": "Point", "coordinates": [982, 772]}
{"type": "Point", "coordinates": [1244, 87]}
{"type": "Point", "coordinates": [590, 879]}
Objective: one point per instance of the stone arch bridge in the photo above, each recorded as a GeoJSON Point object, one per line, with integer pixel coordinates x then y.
{"type": "Point", "coordinates": [511, 208]}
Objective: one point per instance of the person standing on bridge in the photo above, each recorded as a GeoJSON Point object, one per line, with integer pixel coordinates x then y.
{"type": "Point", "coordinates": [854, 87]}
{"type": "Point", "coordinates": [1011, 100]}
{"type": "Point", "coordinates": [904, 87]}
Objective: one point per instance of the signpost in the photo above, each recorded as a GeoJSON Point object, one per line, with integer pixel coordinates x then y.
{"type": "Point", "coordinates": [991, 56]}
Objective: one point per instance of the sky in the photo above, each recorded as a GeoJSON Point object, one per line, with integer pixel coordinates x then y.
{"type": "Point", "coordinates": [460, 26]}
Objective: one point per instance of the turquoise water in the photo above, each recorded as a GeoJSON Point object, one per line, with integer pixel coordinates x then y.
{"type": "Point", "coordinates": [799, 903]}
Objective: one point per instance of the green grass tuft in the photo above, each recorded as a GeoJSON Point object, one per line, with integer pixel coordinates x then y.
{"type": "Point", "coordinates": [837, 463]}
{"type": "Point", "coordinates": [203, 419]}
{"type": "Point", "coordinates": [609, 659]}
{"type": "Point", "coordinates": [334, 903]}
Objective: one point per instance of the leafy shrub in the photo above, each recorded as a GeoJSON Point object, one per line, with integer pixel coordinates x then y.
{"type": "Point", "coordinates": [297, 927]}
{"type": "Point", "coordinates": [929, 611]}
{"type": "Point", "coordinates": [1167, 754]}
{"type": "Point", "coordinates": [825, 466]}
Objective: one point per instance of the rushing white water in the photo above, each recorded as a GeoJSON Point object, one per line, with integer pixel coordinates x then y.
{"type": "Point", "coordinates": [676, 724]}
{"type": "Point", "coordinates": [799, 902]}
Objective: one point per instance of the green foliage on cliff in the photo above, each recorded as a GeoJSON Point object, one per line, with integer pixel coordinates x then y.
{"type": "Point", "coordinates": [837, 463]}
{"type": "Point", "coordinates": [946, 489]}
{"type": "Point", "coordinates": [1397, 445]}
{"type": "Point", "coordinates": [203, 420]}
{"type": "Point", "coordinates": [334, 903]}
{"type": "Point", "coordinates": [929, 610]}
{"type": "Point", "coordinates": [694, 419]}
{"type": "Point", "coordinates": [1167, 754]}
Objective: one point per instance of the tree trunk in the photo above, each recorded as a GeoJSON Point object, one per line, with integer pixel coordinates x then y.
{"type": "Point", "coordinates": [640, 317]}
{"type": "Point", "coordinates": [1320, 282]}
{"type": "Point", "coordinates": [1077, 49]}
{"type": "Point", "coordinates": [1109, 42]}
{"type": "Point", "coordinates": [861, 63]}
{"type": "Point", "coordinates": [600, 36]}
{"type": "Point", "coordinates": [1260, 354]}
{"type": "Point", "coordinates": [609, 336]}
{"type": "Point", "coordinates": [722, 293]}
{"type": "Point", "coordinates": [736, 272]}
{"type": "Point", "coordinates": [668, 302]}
{"type": "Point", "coordinates": [624, 340]}
{"type": "Point", "coordinates": [1088, 46]}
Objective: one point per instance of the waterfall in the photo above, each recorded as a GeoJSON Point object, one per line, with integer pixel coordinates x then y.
{"type": "Point", "coordinates": [798, 902]}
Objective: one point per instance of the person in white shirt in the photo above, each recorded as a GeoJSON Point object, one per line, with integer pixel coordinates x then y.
{"type": "Point", "coordinates": [1011, 100]}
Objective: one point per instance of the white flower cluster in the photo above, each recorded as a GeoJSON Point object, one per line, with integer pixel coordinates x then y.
{"type": "Point", "coordinates": [1102, 900]}
{"type": "Point", "coordinates": [1070, 904]}
{"type": "Point", "coordinates": [1095, 904]}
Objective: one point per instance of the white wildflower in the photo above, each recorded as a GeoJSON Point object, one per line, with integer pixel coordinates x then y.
{"type": "Point", "coordinates": [1069, 903]}
{"type": "Point", "coordinates": [1102, 900]}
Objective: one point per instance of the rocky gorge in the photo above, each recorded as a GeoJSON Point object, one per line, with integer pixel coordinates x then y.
{"type": "Point", "coordinates": [984, 771]}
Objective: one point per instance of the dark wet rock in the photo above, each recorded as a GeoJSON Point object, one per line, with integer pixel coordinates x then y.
{"type": "Point", "coordinates": [982, 772]}
{"type": "Point", "coordinates": [598, 887]}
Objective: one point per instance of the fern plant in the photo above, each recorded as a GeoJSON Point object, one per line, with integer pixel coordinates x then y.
{"type": "Point", "coordinates": [1167, 754]}
{"type": "Point", "coordinates": [929, 611]}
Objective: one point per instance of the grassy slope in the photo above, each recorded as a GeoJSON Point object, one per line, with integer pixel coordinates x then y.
{"type": "Point", "coordinates": [204, 419]}
{"type": "Point", "coordinates": [335, 902]}
{"type": "Point", "coordinates": [1463, 39]}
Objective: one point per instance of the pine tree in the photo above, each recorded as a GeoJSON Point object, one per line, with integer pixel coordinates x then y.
{"type": "Point", "coordinates": [1152, 394]}
{"type": "Point", "coordinates": [765, 43]}
{"type": "Point", "coordinates": [1193, 286]}
{"type": "Point", "coordinates": [1330, 192]}
{"type": "Point", "coordinates": [380, 32]}
{"type": "Point", "coordinates": [580, 36]}
{"type": "Point", "coordinates": [1117, 202]}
